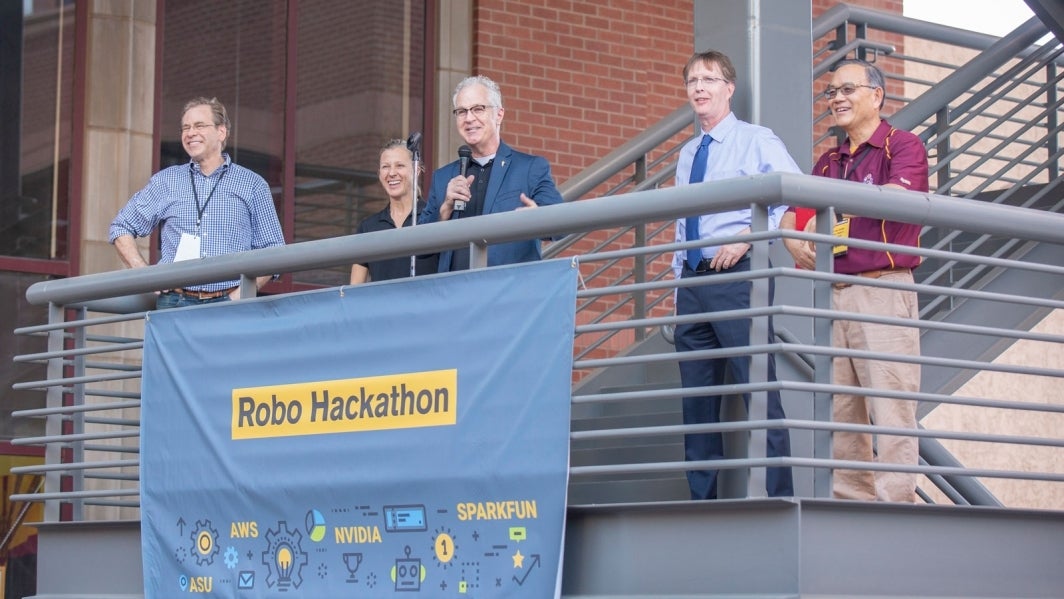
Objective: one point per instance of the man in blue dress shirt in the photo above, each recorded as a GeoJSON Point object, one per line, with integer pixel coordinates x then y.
{"type": "Point", "coordinates": [727, 148]}
{"type": "Point", "coordinates": [207, 207]}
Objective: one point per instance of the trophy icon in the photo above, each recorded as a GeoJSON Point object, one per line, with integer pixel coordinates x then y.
{"type": "Point", "coordinates": [352, 561]}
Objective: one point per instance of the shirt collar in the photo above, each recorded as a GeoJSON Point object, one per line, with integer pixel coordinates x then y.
{"type": "Point", "coordinates": [195, 167]}
{"type": "Point", "coordinates": [484, 160]}
{"type": "Point", "coordinates": [723, 128]}
{"type": "Point", "coordinates": [878, 139]}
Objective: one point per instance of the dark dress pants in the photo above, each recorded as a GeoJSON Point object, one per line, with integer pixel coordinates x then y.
{"type": "Point", "coordinates": [699, 373]}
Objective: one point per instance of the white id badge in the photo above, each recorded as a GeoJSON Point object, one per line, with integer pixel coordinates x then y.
{"type": "Point", "coordinates": [188, 248]}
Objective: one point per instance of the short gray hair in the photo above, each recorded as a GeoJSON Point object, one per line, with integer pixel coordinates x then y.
{"type": "Point", "coordinates": [494, 95]}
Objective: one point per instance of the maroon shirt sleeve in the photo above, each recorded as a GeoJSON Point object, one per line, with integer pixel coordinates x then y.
{"type": "Point", "coordinates": [908, 161]}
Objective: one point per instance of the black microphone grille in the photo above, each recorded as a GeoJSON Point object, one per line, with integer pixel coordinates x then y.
{"type": "Point", "coordinates": [413, 143]}
{"type": "Point", "coordinates": [465, 151]}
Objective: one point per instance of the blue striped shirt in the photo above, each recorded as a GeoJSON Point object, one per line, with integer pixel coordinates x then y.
{"type": "Point", "coordinates": [238, 216]}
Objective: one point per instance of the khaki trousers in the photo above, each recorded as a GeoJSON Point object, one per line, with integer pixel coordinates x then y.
{"type": "Point", "coordinates": [876, 374]}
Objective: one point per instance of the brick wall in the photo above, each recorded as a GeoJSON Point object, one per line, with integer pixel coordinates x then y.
{"type": "Point", "coordinates": [580, 78]}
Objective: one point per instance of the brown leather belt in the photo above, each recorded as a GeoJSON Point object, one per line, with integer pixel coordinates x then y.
{"type": "Point", "coordinates": [871, 274]}
{"type": "Point", "coordinates": [202, 295]}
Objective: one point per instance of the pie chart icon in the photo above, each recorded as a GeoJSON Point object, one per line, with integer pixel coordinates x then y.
{"type": "Point", "coordinates": [315, 523]}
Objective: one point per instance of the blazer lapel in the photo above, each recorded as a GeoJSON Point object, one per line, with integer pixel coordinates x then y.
{"type": "Point", "coordinates": [499, 170]}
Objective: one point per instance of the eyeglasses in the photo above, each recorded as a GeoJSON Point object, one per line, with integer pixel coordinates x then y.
{"type": "Point", "coordinates": [478, 111]}
{"type": "Point", "coordinates": [705, 81]}
{"type": "Point", "coordinates": [847, 89]}
{"type": "Point", "coordinates": [197, 127]}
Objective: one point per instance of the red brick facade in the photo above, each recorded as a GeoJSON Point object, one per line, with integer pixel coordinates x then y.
{"type": "Point", "coordinates": [581, 78]}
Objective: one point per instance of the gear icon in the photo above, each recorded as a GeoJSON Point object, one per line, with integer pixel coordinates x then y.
{"type": "Point", "coordinates": [204, 542]}
{"type": "Point", "coordinates": [231, 557]}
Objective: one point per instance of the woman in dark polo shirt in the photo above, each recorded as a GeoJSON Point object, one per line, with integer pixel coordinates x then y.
{"type": "Point", "coordinates": [396, 174]}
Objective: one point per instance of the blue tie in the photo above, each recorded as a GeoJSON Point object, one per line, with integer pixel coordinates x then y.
{"type": "Point", "coordinates": [698, 172]}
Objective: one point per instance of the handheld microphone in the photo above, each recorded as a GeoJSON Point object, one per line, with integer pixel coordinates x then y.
{"type": "Point", "coordinates": [465, 154]}
{"type": "Point", "coordinates": [413, 143]}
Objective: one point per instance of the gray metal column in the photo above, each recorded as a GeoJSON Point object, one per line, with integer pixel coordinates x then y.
{"type": "Point", "coordinates": [770, 43]}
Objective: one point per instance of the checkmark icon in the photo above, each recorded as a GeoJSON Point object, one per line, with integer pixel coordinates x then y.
{"type": "Point", "coordinates": [246, 580]}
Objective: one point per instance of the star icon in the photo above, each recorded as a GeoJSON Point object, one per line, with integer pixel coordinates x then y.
{"type": "Point", "coordinates": [519, 560]}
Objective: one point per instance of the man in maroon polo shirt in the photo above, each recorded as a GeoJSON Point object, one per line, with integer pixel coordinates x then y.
{"type": "Point", "coordinates": [876, 154]}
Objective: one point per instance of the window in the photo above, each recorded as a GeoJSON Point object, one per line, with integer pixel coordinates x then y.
{"type": "Point", "coordinates": [356, 71]}
{"type": "Point", "coordinates": [36, 74]}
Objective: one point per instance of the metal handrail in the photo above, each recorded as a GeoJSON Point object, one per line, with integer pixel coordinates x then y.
{"type": "Point", "coordinates": [630, 210]}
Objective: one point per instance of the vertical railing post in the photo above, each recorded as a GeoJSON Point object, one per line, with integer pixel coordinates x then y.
{"type": "Point", "coordinates": [248, 288]}
{"type": "Point", "coordinates": [861, 32]}
{"type": "Point", "coordinates": [478, 254]}
{"type": "Point", "coordinates": [942, 149]}
{"type": "Point", "coordinates": [639, 272]}
{"type": "Point", "coordinates": [53, 423]}
{"type": "Point", "coordinates": [77, 419]}
{"type": "Point", "coordinates": [639, 263]}
{"type": "Point", "coordinates": [1052, 97]}
{"type": "Point", "coordinates": [760, 333]}
{"type": "Point", "coordinates": [825, 220]}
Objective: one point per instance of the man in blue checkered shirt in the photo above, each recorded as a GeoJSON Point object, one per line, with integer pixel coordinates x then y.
{"type": "Point", "coordinates": [208, 207]}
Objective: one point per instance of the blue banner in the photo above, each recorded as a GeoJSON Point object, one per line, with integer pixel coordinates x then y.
{"type": "Point", "coordinates": [369, 441]}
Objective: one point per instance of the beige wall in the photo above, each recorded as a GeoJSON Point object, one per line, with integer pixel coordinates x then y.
{"type": "Point", "coordinates": [119, 114]}
{"type": "Point", "coordinates": [455, 62]}
{"type": "Point", "coordinates": [994, 385]}
{"type": "Point", "coordinates": [1012, 387]}
{"type": "Point", "coordinates": [119, 110]}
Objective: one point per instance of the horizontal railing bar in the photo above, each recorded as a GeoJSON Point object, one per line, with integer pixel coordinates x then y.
{"type": "Point", "coordinates": [42, 468]}
{"type": "Point", "coordinates": [81, 351]}
{"type": "Point", "coordinates": [98, 407]}
{"type": "Point", "coordinates": [782, 348]}
{"type": "Point", "coordinates": [635, 207]}
{"type": "Point", "coordinates": [112, 421]}
{"type": "Point", "coordinates": [113, 393]}
{"type": "Point", "coordinates": [67, 324]}
{"type": "Point", "coordinates": [74, 437]}
{"type": "Point", "coordinates": [791, 385]}
{"type": "Point", "coordinates": [798, 462]}
{"type": "Point", "coordinates": [75, 380]}
{"type": "Point", "coordinates": [90, 475]}
{"type": "Point", "coordinates": [789, 310]}
{"type": "Point", "coordinates": [74, 495]}
{"type": "Point", "coordinates": [112, 448]}
{"type": "Point", "coordinates": [790, 423]}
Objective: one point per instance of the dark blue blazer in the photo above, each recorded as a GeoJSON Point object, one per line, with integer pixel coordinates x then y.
{"type": "Point", "coordinates": [512, 174]}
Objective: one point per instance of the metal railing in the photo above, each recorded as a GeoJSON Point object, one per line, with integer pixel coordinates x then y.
{"type": "Point", "coordinates": [95, 338]}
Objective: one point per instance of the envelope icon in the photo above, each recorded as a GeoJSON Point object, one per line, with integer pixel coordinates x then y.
{"type": "Point", "coordinates": [246, 579]}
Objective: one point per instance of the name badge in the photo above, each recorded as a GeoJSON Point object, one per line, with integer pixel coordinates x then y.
{"type": "Point", "coordinates": [842, 231]}
{"type": "Point", "coordinates": [188, 248]}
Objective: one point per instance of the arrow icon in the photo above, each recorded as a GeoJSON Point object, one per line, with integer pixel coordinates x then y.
{"type": "Point", "coordinates": [535, 562]}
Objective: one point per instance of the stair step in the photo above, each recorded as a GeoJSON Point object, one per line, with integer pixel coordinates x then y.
{"type": "Point", "coordinates": [647, 488]}
{"type": "Point", "coordinates": [630, 454]}
{"type": "Point", "coordinates": [627, 420]}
